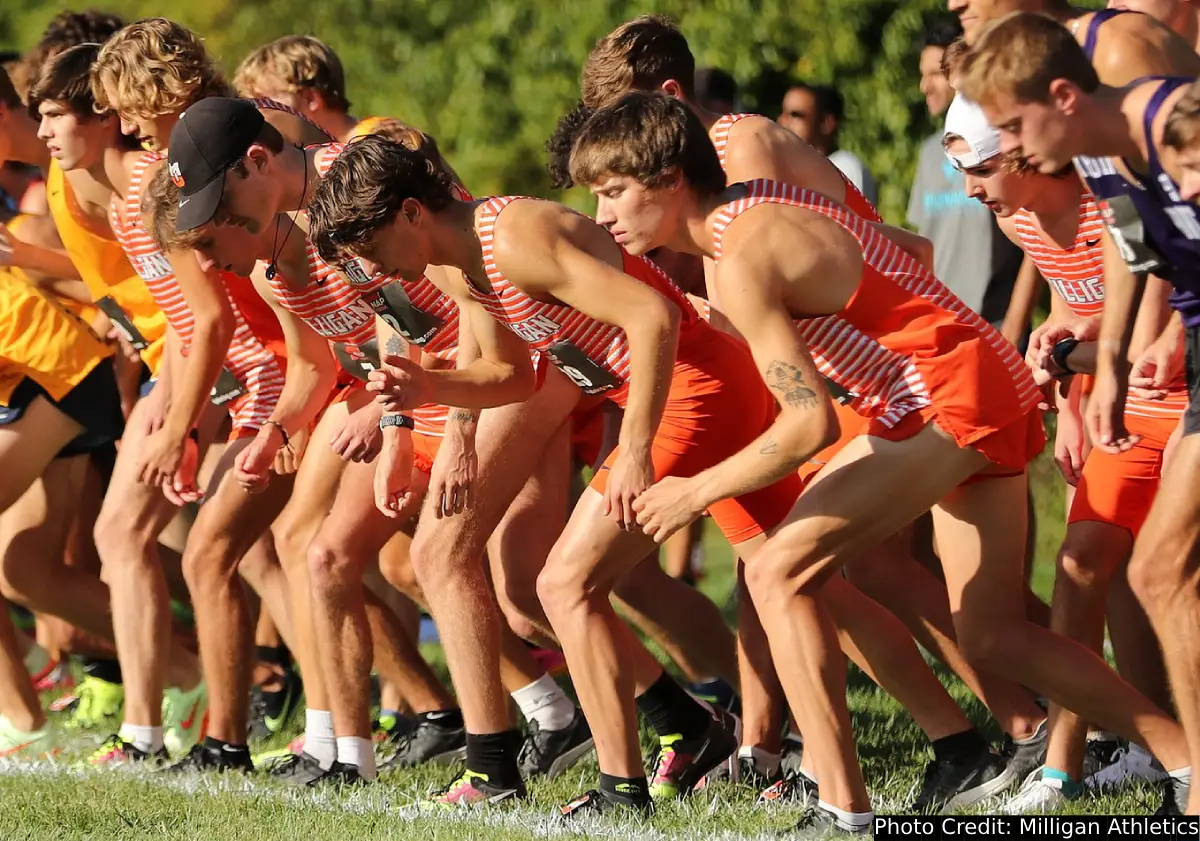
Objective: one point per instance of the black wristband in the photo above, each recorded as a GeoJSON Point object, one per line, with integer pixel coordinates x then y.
{"type": "Point", "coordinates": [402, 421]}
{"type": "Point", "coordinates": [286, 441]}
{"type": "Point", "coordinates": [1060, 353]}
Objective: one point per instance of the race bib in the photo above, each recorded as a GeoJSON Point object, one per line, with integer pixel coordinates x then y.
{"type": "Point", "coordinates": [1129, 233]}
{"type": "Point", "coordinates": [392, 304]}
{"type": "Point", "coordinates": [227, 388]}
{"type": "Point", "coordinates": [358, 360]}
{"type": "Point", "coordinates": [121, 321]}
{"type": "Point", "coordinates": [590, 377]}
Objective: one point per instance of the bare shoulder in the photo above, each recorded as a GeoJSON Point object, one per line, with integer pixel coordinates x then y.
{"type": "Point", "coordinates": [530, 230]}
{"type": "Point", "coordinates": [765, 149]}
{"type": "Point", "coordinates": [1134, 45]}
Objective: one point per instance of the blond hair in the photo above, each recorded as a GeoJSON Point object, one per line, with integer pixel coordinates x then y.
{"type": "Point", "coordinates": [639, 55]}
{"type": "Point", "coordinates": [299, 63]}
{"type": "Point", "coordinates": [1020, 56]}
{"type": "Point", "coordinates": [1183, 124]}
{"type": "Point", "coordinates": [155, 67]}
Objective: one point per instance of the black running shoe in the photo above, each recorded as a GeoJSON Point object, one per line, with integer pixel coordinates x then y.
{"type": "Point", "coordinates": [296, 768]}
{"type": "Point", "coordinates": [204, 757]}
{"type": "Point", "coordinates": [826, 823]}
{"type": "Point", "coordinates": [339, 774]}
{"type": "Point", "coordinates": [597, 802]}
{"type": "Point", "coordinates": [1024, 757]}
{"type": "Point", "coordinates": [793, 754]}
{"type": "Point", "coordinates": [1099, 754]}
{"type": "Point", "coordinates": [1175, 798]}
{"type": "Point", "coordinates": [116, 751]}
{"type": "Point", "coordinates": [680, 764]}
{"type": "Point", "coordinates": [429, 742]}
{"type": "Point", "coordinates": [793, 788]}
{"type": "Point", "coordinates": [548, 753]}
{"type": "Point", "coordinates": [962, 783]}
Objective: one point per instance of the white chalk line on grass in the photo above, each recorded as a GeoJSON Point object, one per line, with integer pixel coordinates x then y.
{"type": "Point", "coordinates": [374, 800]}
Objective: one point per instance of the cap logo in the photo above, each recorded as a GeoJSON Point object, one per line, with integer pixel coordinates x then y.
{"type": "Point", "coordinates": [176, 175]}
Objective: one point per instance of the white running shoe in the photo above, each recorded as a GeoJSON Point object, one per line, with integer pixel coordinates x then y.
{"type": "Point", "coordinates": [1132, 763]}
{"type": "Point", "coordinates": [1037, 796]}
{"type": "Point", "coordinates": [185, 718]}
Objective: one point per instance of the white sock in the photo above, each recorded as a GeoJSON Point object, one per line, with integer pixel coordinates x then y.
{"type": "Point", "coordinates": [319, 741]}
{"type": "Point", "coordinates": [765, 763]}
{"type": "Point", "coordinates": [360, 753]}
{"type": "Point", "coordinates": [848, 820]}
{"type": "Point", "coordinates": [36, 659]}
{"type": "Point", "coordinates": [143, 737]}
{"type": "Point", "coordinates": [544, 701]}
{"type": "Point", "coordinates": [1183, 775]}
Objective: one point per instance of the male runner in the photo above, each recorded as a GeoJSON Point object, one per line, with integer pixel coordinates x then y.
{"type": "Point", "coordinates": [651, 53]}
{"type": "Point", "coordinates": [1180, 16]}
{"type": "Point", "coordinates": [1039, 89]}
{"type": "Point", "coordinates": [1057, 223]}
{"type": "Point", "coordinates": [951, 405]}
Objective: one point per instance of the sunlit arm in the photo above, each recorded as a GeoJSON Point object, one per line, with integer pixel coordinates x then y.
{"type": "Point", "coordinates": [501, 373]}
{"type": "Point", "coordinates": [1122, 295]}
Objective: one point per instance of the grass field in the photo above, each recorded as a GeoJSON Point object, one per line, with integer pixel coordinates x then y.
{"type": "Point", "coordinates": [61, 802]}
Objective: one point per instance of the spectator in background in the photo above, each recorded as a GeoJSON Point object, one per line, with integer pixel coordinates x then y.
{"type": "Point", "coordinates": [1182, 16]}
{"type": "Point", "coordinates": [971, 255]}
{"type": "Point", "coordinates": [716, 90]}
{"type": "Point", "coordinates": [814, 113]}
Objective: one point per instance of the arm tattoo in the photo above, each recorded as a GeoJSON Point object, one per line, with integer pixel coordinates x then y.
{"type": "Point", "coordinates": [396, 345]}
{"type": "Point", "coordinates": [463, 415]}
{"type": "Point", "coordinates": [788, 380]}
{"type": "Point", "coordinates": [769, 447]}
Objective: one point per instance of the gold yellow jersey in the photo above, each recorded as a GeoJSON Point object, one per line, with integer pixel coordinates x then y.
{"type": "Point", "coordinates": [105, 270]}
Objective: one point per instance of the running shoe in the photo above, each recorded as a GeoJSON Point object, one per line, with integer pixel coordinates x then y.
{"type": "Point", "coordinates": [429, 741]}
{"type": "Point", "coordinates": [795, 787]}
{"type": "Point", "coordinates": [1026, 756]}
{"type": "Point", "coordinates": [1099, 754]}
{"type": "Point", "coordinates": [115, 751]}
{"type": "Point", "coordinates": [295, 768]}
{"type": "Point", "coordinates": [56, 677]}
{"type": "Point", "coordinates": [681, 763]}
{"type": "Point", "coordinates": [752, 769]}
{"type": "Point", "coordinates": [548, 753]}
{"type": "Point", "coordinates": [271, 710]}
{"type": "Point", "coordinates": [185, 717]}
{"type": "Point", "coordinates": [1038, 796]}
{"type": "Point", "coordinates": [26, 744]}
{"type": "Point", "coordinates": [819, 823]}
{"type": "Point", "coordinates": [1175, 797]}
{"type": "Point", "coordinates": [339, 774]}
{"type": "Point", "coordinates": [94, 702]}
{"type": "Point", "coordinates": [1128, 764]}
{"type": "Point", "coordinates": [469, 790]}
{"type": "Point", "coordinates": [962, 783]}
{"type": "Point", "coordinates": [597, 802]}
{"type": "Point", "coordinates": [204, 757]}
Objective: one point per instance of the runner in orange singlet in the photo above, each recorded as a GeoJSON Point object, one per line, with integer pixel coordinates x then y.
{"type": "Point", "coordinates": [233, 343]}
{"type": "Point", "coordinates": [950, 403]}
{"type": "Point", "coordinates": [1056, 221]}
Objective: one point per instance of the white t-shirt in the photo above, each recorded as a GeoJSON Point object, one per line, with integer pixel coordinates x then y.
{"type": "Point", "coordinates": [854, 169]}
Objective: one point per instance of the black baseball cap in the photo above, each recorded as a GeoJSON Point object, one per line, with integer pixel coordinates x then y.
{"type": "Point", "coordinates": [210, 137]}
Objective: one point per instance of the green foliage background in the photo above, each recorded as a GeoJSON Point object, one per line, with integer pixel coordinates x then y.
{"type": "Point", "coordinates": [489, 78]}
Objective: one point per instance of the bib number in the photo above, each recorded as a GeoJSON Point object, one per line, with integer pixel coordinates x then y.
{"type": "Point", "coordinates": [590, 377]}
{"type": "Point", "coordinates": [392, 304]}
{"type": "Point", "coordinates": [358, 360]}
{"type": "Point", "coordinates": [122, 322]}
{"type": "Point", "coordinates": [227, 388]}
{"type": "Point", "coordinates": [1129, 233]}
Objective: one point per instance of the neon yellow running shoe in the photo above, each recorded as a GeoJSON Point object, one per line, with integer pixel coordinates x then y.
{"type": "Point", "coordinates": [185, 718]}
{"type": "Point", "coordinates": [95, 702]}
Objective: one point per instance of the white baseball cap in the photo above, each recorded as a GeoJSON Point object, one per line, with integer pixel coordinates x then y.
{"type": "Point", "coordinates": [965, 119]}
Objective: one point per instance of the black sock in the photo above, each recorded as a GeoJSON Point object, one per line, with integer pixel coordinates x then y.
{"type": "Point", "coordinates": [628, 789]}
{"type": "Point", "coordinates": [446, 719]}
{"type": "Point", "coordinates": [669, 709]}
{"type": "Point", "coordinates": [276, 655]}
{"type": "Point", "coordinates": [227, 747]}
{"type": "Point", "coordinates": [495, 755]}
{"type": "Point", "coordinates": [959, 746]}
{"type": "Point", "coordinates": [103, 669]}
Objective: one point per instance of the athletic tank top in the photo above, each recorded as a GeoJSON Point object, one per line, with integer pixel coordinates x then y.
{"type": "Point", "coordinates": [248, 358]}
{"type": "Point", "coordinates": [899, 315]}
{"type": "Point", "coordinates": [854, 200]}
{"type": "Point", "coordinates": [43, 340]}
{"type": "Point", "coordinates": [1077, 276]}
{"type": "Point", "coordinates": [1156, 230]}
{"type": "Point", "coordinates": [106, 272]}
{"type": "Point", "coordinates": [594, 355]}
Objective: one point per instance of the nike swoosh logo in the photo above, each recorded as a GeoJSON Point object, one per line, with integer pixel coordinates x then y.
{"type": "Point", "coordinates": [191, 719]}
{"type": "Point", "coordinates": [1091, 243]}
{"type": "Point", "coordinates": [18, 748]}
{"type": "Point", "coordinates": [182, 202]}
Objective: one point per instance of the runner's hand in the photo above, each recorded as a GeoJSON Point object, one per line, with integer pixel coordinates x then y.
{"type": "Point", "coordinates": [183, 489]}
{"type": "Point", "coordinates": [1106, 414]}
{"type": "Point", "coordinates": [252, 466]}
{"type": "Point", "coordinates": [1043, 339]}
{"type": "Point", "coordinates": [360, 439]}
{"type": "Point", "coordinates": [160, 456]}
{"type": "Point", "coordinates": [1070, 447]}
{"type": "Point", "coordinates": [629, 476]}
{"type": "Point", "coordinates": [667, 507]}
{"type": "Point", "coordinates": [1159, 365]}
{"type": "Point", "coordinates": [400, 384]}
{"type": "Point", "coordinates": [287, 459]}
{"type": "Point", "coordinates": [393, 474]}
{"type": "Point", "coordinates": [454, 473]}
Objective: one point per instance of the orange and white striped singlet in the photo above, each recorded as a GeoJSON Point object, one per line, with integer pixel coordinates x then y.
{"type": "Point", "coordinates": [903, 342]}
{"type": "Point", "coordinates": [1076, 274]}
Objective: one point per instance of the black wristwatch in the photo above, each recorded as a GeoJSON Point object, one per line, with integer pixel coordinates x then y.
{"type": "Point", "coordinates": [402, 421]}
{"type": "Point", "coordinates": [1060, 353]}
